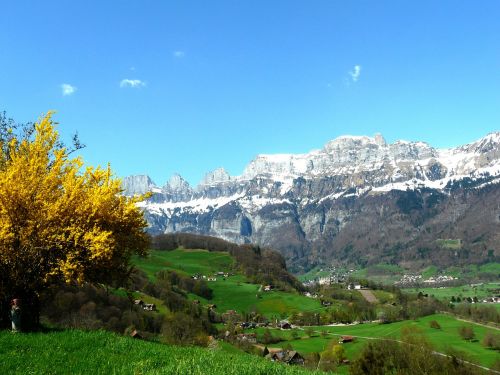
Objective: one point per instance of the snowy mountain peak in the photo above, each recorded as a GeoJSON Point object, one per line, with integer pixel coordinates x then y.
{"type": "Point", "coordinates": [176, 183]}
{"type": "Point", "coordinates": [353, 142]}
{"type": "Point", "coordinates": [353, 161]}
{"type": "Point", "coordinates": [216, 176]}
{"type": "Point", "coordinates": [136, 185]}
{"type": "Point", "coordinates": [485, 144]}
{"type": "Point", "coordinates": [379, 139]}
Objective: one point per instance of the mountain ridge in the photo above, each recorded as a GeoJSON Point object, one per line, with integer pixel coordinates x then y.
{"type": "Point", "coordinates": [401, 148]}
{"type": "Point", "coordinates": [299, 196]}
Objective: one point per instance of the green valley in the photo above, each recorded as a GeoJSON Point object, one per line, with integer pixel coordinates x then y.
{"type": "Point", "coordinates": [231, 289]}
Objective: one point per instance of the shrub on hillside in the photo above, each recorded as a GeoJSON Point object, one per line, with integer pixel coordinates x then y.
{"type": "Point", "coordinates": [268, 338]}
{"type": "Point", "coordinates": [492, 340]}
{"type": "Point", "coordinates": [434, 324]}
{"type": "Point", "coordinates": [413, 357]}
{"type": "Point", "coordinates": [183, 329]}
{"type": "Point", "coordinates": [90, 307]}
{"type": "Point", "coordinates": [466, 332]}
{"type": "Point", "coordinates": [198, 287]}
{"type": "Point", "coordinates": [332, 356]}
{"type": "Point", "coordinates": [312, 360]}
{"type": "Point", "coordinates": [390, 314]}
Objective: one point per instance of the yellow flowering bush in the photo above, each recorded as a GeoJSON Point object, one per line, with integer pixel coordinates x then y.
{"type": "Point", "coordinates": [60, 221]}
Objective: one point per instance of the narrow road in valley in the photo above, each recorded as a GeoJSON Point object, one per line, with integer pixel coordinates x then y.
{"type": "Point", "coordinates": [369, 296]}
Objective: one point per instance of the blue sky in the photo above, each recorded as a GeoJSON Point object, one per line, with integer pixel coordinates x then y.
{"type": "Point", "coordinates": [157, 87]}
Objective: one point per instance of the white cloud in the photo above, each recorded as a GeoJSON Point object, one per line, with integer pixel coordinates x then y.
{"type": "Point", "coordinates": [134, 83]}
{"type": "Point", "coordinates": [179, 54]}
{"type": "Point", "coordinates": [355, 73]}
{"type": "Point", "coordinates": [67, 89]}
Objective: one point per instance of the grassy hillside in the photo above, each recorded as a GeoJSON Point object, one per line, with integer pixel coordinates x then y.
{"type": "Point", "coordinates": [189, 262]}
{"type": "Point", "coordinates": [314, 273]}
{"type": "Point", "coordinates": [99, 352]}
{"type": "Point", "coordinates": [442, 339]}
{"type": "Point", "coordinates": [230, 293]}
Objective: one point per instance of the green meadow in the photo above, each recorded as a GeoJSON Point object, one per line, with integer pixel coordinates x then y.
{"type": "Point", "coordinates": [231, 293]}
{"type": "Point", "coordinates": [382, 273]}
{"type": "Point", "coordinates": [235, 293]}
{"type": "Point", "coordinates": [314, 273]}
{"type": "Point", "coordinates": [443, 340]}
{"type": "Point", "coordinates": [100, 352]}
{"type": "Point", "coordinates": [189, 262]}
{"type": "Point", "coordinates": [480, 291]}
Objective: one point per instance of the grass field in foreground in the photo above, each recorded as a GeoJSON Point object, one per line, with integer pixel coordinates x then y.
{"type": "Point", "coordinates": [99, 352]}
{"type": "Point", "coordinates": [231, 293]}
{"type": "Point", "coordinates": [442, 339]}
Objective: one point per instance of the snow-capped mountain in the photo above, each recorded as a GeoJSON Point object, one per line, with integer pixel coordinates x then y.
{"type": "Point", "coordinates": [296, 202]}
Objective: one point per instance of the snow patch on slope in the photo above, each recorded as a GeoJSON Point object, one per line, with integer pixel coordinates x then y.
{"type": "Point", "coordinates": [198, 205]}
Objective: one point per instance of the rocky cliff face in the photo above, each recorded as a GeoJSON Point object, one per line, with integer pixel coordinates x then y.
{"type": "Point", "coordinates": [358, 199]}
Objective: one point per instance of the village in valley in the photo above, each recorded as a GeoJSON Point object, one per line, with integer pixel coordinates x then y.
{"type": "Point", "coordinates": [343, 310]}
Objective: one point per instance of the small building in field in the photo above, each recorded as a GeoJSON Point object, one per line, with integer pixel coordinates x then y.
{"type": "Point", "coordinates": [247, 337]}
{"type": "Point", "coordinates": [294, 358]}
{"type": "Point", "coordinates": [354, 286]}
{"type": "Point", "coordinates": [149, 307]}
{"type": "Point", "coordinates": [345, 339]}
{"type": "Point", "coordinates": [284, 324]}
{"type": "Point", "coordinates": [290, 357]}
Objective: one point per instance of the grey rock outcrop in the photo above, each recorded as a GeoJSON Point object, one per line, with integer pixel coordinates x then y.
{"type": "Point", "coordinates": [137, 185]}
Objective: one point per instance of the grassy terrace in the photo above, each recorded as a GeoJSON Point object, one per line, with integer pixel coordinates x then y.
{"type": "Point", "coordinates": [99, 352]}
{"type": "Point", "coordinates": [233, 293]}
